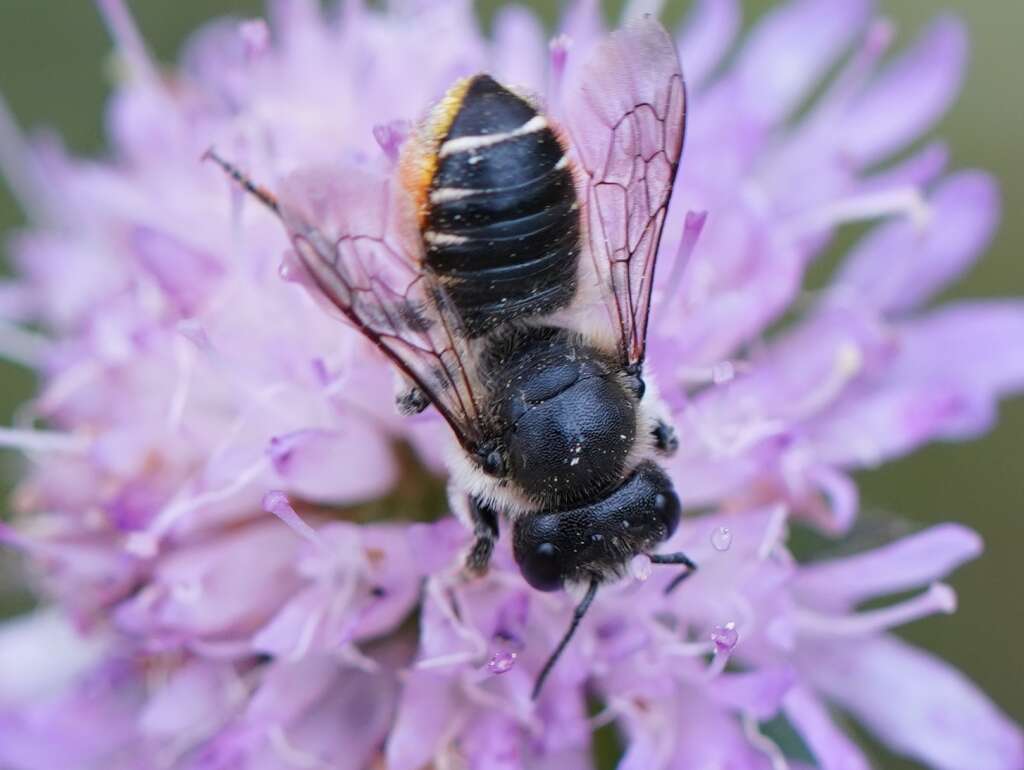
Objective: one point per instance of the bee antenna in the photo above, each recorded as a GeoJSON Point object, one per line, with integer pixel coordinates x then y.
{"type": "Point", "coordinates": [675, 558]}
{"type": "Point", "coordinates": [577, 616]}
{"type": "Point", "coordinates": [262, 194]}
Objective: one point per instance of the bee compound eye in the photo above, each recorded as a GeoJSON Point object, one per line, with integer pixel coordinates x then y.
{"type": "Point", "coordinates": [667, 508]}
{"type": "Point", "coordinates": [542, 567]}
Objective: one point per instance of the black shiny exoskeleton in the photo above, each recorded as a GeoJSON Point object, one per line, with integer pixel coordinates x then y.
{"type": "Point", "coordinates": [502, 221]}
{"type": "Point", "coordinates": [522, 229]}
{"type": "Point", "coordinates": [561, 415]}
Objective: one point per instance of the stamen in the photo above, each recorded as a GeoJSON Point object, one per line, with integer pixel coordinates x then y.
{"type": "Point", "coordinates": [126, 37]}
{"type": "Point", "coordinates": [846, 364]}
{"type": "Point", "coordinates": [27, 440]}
{"type": "Point", "coordinates": [185, 360]}
{"type": "Point", "coordinates": [905, 201]}
{"type": "Point", "coordinates": [774, 533]}
{"type": "Point", "coordinates": [442, 661]}
{"type": "Point", "coordinates": [724, 638]}
{"type": "Point", "coordinates": [841, 495]}
{"type": "Point", "coordinates": [938, 598]}
{"type": "Point", "coordinates": [731, 439]}
{"type": "Point", "coordinates": [306, 635]}
{"type": "Point", "coordinates": [173, 512]}
{"type": "Point", "coordinates": [719, 373]}
{"type": "Point", "coordinates": [476, 641]}
{"type": "Point", "coordinates": [276, 502]}
{"type": "Point", "coordinates": [351, 654]}
{"type": "Point", "coordinates": [764, 744]}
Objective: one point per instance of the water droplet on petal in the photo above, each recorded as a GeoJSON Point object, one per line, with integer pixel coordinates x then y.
{"type": "Point", "coordinates": [723, 372]}
{"type": "Point", "coordinates": [721, 538]}
{"type": "Point", "coordinates": [725, 637]}
{"type": "Point", "coordinates": [501, 662]}
{"type": "Point", "coordinates": [640, 567]}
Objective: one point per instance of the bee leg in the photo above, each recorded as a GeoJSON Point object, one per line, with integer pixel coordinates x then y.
{"type": "Point", "coordinates": [577, 616]}
{"type": "Point", "coordinates": [675, 558]}
{"type": "Point", "coordinates": [485, 530]}
{"type": "Point", "coordinates": [665, 440]}
{"type": "Point", "coordinates": [410, 401]}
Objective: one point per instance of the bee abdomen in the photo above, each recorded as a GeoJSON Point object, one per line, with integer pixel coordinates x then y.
{"type": "Point", "coordinates": [501, 225]}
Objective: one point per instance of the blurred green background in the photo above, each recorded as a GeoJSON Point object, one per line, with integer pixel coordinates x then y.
{"type": "Point", "coordinates": [54, 67]}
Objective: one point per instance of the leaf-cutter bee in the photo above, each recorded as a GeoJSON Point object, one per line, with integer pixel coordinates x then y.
{"type": "Point", "coordinates": [476, 270]}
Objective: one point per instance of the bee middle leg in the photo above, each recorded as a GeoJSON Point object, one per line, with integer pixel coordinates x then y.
{"type": "Point", "coordinates": [485, 532]}
{"type": "Point", "coordinates": [410, 400]}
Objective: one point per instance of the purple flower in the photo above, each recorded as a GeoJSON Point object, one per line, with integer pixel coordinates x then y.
{"type": "Point", "coordinates": [234, 530]}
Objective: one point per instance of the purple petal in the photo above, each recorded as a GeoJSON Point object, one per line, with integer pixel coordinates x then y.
{"type": "Point", "coordinates": [708, 34]}
{"type": "Point", "coordinates": [869, 428]}
{"type": "Point", "coordinates": [209, 589]}
{"type": "Point", "coordinates": [759, 692]}
{"type": "Point", "coordinates": [89, 726]}
{"type": "Point", "coordinates": [897, 266]}
{"type": "Point", "coordinates": [345, 728]}
{"type": "Point", "coordinates": [425, 712]}
{"type": "Point", "coordinates": [910, 95]}
{"type": "Point", "coordinates": [184, 272]}
{"type": "Point", "coordinates": [307, 461]}
{"type": "Point", "coordinates": [289, 688]}
{"type": "Point", "coordinates": [781, 62]}
{"type": "Point", "coordinates": [297, 628]}
{"type": "Point", "coordinates": [910, 562]}
{"type": "Point", "coordinates": [493, 742]}
{"type": "Point", "coordinates": [830, 745]}
{"type": "Point", "coordinates": [520, 48]}
{"type": "Point", "coordinates": [917, 704]}
{"type": "Point", "coordinates": [955, 343]}
{"type": "Point", "coordinates": [196, 699]}
{"type": "Point", "coordinates": [583, 22]}
{"type": "Point", "coordinates": [41, 653]}
{"type": "Point", "coordinates": [919, 170]}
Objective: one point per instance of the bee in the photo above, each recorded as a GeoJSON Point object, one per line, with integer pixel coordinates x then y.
{"type": "Point", "coordinates": [506, 270]}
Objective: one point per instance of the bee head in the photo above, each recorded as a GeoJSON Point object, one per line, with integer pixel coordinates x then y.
{"type": "Point", "coordinates": [597, 540]}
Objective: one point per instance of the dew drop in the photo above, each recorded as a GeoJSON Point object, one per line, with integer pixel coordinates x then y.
{"type": "Point", "coordinates": [725, 637]}
{"type": "Point", "coordinates": [723, 372]}
{"type": "Point", "coordinates": [501, 662]}
{"type": "Point", "coordinates": [640, 567]}
{"type": "Point", "coordinates": [721, 538]}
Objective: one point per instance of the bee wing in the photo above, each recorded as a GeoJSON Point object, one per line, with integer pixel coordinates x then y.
{"type": "Point", "coordinates": [348, 230]}
{"type": "Point", "coordinates": [625, 113]}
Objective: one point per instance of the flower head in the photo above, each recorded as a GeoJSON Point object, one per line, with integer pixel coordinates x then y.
{"type": "Point", "coordinates": [242, 543]}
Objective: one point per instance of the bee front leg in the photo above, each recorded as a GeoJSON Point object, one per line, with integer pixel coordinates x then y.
{"type": "Point", "coordinates": [485, 531]}
{"type": "Point", "coordinates": [665, 440]}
